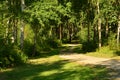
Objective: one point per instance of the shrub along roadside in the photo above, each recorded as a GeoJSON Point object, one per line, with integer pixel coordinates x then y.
{"type": "Point", "coordinates": [11, 56]}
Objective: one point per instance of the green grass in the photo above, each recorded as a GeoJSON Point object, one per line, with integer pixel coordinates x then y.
{"type": "Point", "coordinates": [101, 55]}
{"type": "Point", "coordinates": [104, 52]}
{"type": "Point", "coordinates": [53, 68]}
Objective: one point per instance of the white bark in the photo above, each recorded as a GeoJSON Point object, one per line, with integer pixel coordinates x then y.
{"type": "Point", "coordinates": [118, 33]}
{"type": "Point", "coordinates": [22, 25]}
{"type": "Point", "coordinates": [99, 25]}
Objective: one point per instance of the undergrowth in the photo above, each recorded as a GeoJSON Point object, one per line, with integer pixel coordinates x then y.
{"type": "Point", "coordinates": [104, 52]}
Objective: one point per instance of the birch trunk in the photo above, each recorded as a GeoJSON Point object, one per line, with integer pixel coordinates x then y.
{"type": "Point", "coordinates": [95, 33]}
{"type": "Point", "coordinates": [22, 25]}
{"type": "Point", "coordinates": [89, 24]}
{"type": "Point", "coordinates": [107, 29]}
{"type": "Point", "coordinates": [118, 33]}
{"type": "Point", "coordinates": [60, 31]}
{"type": "Point", "coordinates": [99, 25]}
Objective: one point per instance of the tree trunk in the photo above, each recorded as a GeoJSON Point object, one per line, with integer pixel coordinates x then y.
{"type": "Point", "coordinates": [95, 33]}
{"type": "Point", "coordinates": [8, 31]}
{"type": "Point", "coordinates": [106, 29]}
{"type": "Point", "coordinates": [70, 32]}
{"type": "Point", "coordinates": [35, 42]}
{"type": "Point", "coordinates": [15, 31]}
{"type": "Point", "coordinates": [99, 32]}
{"type": "Point", "coordinates": [99, 25]}
{"type": "Point", "coordinates": [22, 25]}
{"type": "Point", "coordinates": [118, 33]}
{"type": "Point", "coordinates": [56, 32]}
{"type": "Point", "coordinates": [22, 34]}
{"type": "Point", "coordinates": [60, 31]}
{"type": "Point", "coordinates": [89, 32]}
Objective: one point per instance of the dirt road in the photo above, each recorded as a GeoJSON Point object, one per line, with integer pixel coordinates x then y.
{"type": "Point", "coordinates": [110, 63]}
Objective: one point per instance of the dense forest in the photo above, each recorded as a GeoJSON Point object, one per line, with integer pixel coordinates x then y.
{"type": "Point", "coordinates": [29, 27]}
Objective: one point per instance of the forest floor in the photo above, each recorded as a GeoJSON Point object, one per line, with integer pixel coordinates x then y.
{"type": "Point", "coordinates": [112, 64]}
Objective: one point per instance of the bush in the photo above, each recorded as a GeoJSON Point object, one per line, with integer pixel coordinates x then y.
{"type": "Point", "coordinates": [112, 42]}
{"type": "Point", "coordinates": [41, 46]}
{"type": "Point", "coordinates": [11, 56]}
{"type": "Point", "coordinates": [89, 46]}
{"type": "Point", "coordinates": [82, 35]}
{"type": "Point", "coordinates": [54, 43]}
{"type": "Point", "coordinates": [105, 51]}
{"type": "Point", "coordinates": [28, 48]}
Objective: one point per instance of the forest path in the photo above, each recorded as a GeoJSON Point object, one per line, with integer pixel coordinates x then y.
{"type": "Point", "coordinates": [112, 64]}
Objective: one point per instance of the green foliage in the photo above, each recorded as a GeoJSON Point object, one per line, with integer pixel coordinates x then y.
{"type": "Point", "coordinates": [29, 40]}
{"type": "Point", "coordinates": [83, 35]}
{"type": "Point", "coordinates": [42, 45]}
{"type": "Point", "coordinates": [89, 46]}
{"type": "Point", "coordinates": [104, 52]}
{"type": "Point", "coordinates": [53, 43]}
{"type": "Point", "coordinates": [111, 41]}
{"type": "Point", "coordinates": [11, 56]}
{"type": "Point", "coordinates": [48, 44]}
{"type": "Point", "coordinates": [42, 12]}
{"type": "Point", "coordinates": [2, 38]}
{"type": "Point", "coordinates": [28, 48]}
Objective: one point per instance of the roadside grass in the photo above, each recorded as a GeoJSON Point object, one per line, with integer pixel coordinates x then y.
{"type": "Point", "coordinates": [53, 68]}
{"type": "Point", "coordinates": [101, 54]}
{"type": "Point", "coordinates": [105, 52]}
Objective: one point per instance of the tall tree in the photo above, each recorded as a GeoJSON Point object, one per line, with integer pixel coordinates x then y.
{"type": "Point", "coordinates": [99, 23]}
{"type": "Point", "coordinates": [22, 25]}
{"type": "Point", "coordinates": [118, 33]}
{"type": "Point", "coordinates": [118, 29]}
